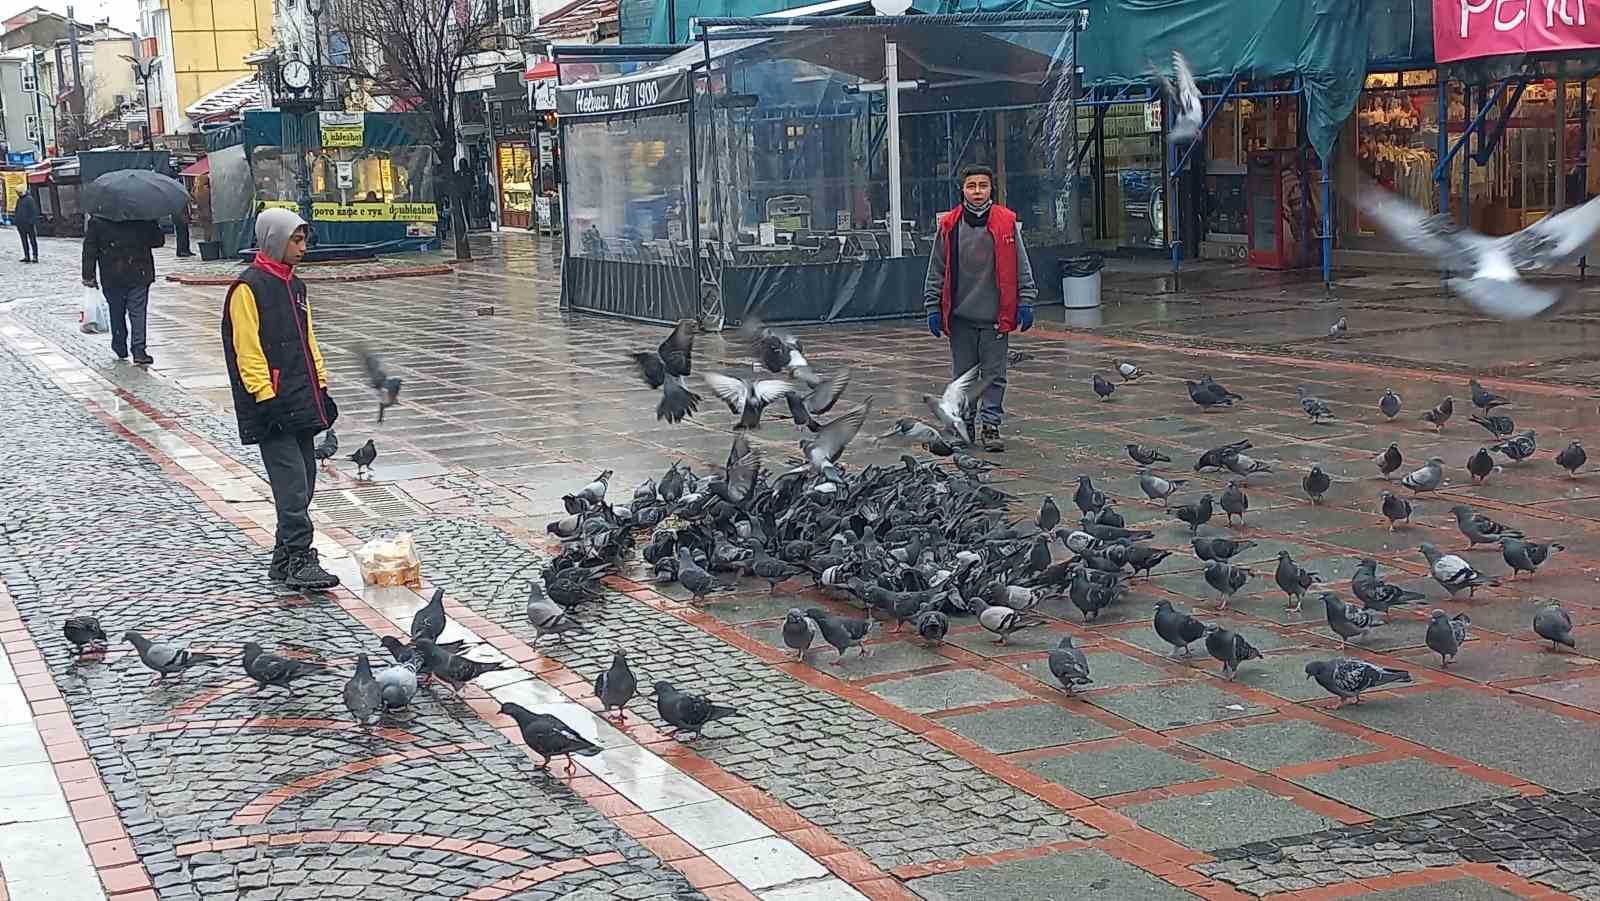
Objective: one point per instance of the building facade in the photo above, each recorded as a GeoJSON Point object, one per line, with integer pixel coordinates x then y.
{"type": "Point", "coordinates": [205, 46]}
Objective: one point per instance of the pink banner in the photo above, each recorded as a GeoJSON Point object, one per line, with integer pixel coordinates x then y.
{"type": "Point", "coordinates": [1465, 29]}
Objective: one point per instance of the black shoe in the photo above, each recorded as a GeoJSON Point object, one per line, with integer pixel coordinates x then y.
{"type": "Point", "coordinates": [144, 359]}
{"type": "Point", "coordinates": [185, 254]}
{"type": "Point", "coordinates": [306, 573]}
{"type": "Point", "coordinates": [26, 260]}
{"type": "Point", "coordinates": [991, 441]}
{"type": "Point", "coordinates": [122, 358]}
{"type": "Point", "coordinates": [279, 570]}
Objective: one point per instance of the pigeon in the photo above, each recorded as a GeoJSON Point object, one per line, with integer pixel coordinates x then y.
{"type": "Point", "coordinates": [363, 459]}
{"type": "Point", "coordinates": [692, 576]}
{"type": "Point", "coordinates": [1389, 460]}
{"type": "Point", "coordinates": [84, 632]}
{"type": "Point", "coordinates": [273, 670]}
{"type": "Point", "coordinates": [1207, 549]}
{"type": "Point", "coordinates": [429, 622]}
{"type": "Point", "coordinates": [1216, 386]}
{"type": "Point", "coordinates": [547, 617]}
{"type": "Point", "coordinates": [950, 408]}
{"type": "Point", "coordinates": [1187, 118]}
{"type": "Point", "coordinates": [1340, 329]}
{"type": "Point", "coordinates": [1234, 502]}
{"type": "Point", "coordinates": [1526, 556]}
{"type": "Point", "coordinates": [363, 696]}
{"type": "Point", "coordinates": [1452, 572]}
{"type": "Point", "coordinates": [1177, 628]}
{"type": "Point", "coordinates": [1572, 458]}
{"type": "Point", "coordinates": [1395, 509]}
{"type": "Point", "coordinates": [666, 368]}
{"type": "Point", "coordinates": [1519, 447]}
{"type": "Point", "coordinates": [1230, 648]}
{"type": "Point", "coordinates": [746, 399]}
{"type": "Point", "coordinates": [1480, 465]}
{"type": "Point", "coordinates": [1196, 514]}
{"type": "Point", "coordinates": [1316, 483]}
{"type": "Point", "coordinates": [616, 686]}
{"type": "Point", "coordinates": [1495, 424]}
{"type": "Point", "coordinates": [1088, 498]}
{"type": "Point", "coordinates": [1244, 466]}
{"type": "Point", "coordinates": [1346, 678]}
{"type": "Point", "coordinates": [1145, 456]}
{"type": "Point", "coordinates": [1156, 488]}
{"type": "Point", "coordinates": [778, 351]}
{"type": "Point", "coordinates": [1554, 625]}
{"type": "Point", "coordinates": [549, 736]}
{"type": "Point", "coordinates": [1293, 581]}
{"type": "Point", "coordinates": [453, 669]}
{"type": "Point", "coordinates": [1375, 593]}
{"type": "Point", "coordinates": [1494, 286]}
{"type": "Point", "coordinates": [1069, 665]}
{"type": "Point", "coordinates": [403, 653]}
{"type": "Point", "coordinates": [1486, 400]}
{"type": "Point", "coordinates": [1128, 370]}
{"type": "Point", "coordinates": [1049, 515]}
{"type": "Point", "coordinates": [1217, 457]}
{"type": "Point", "coordinates": [1389, 404]}
{"type": "Point", "coordinates": [932, 626]}
{"type": "Point", "coordinates": [798, 632]}
{"type": "Point", "coordinates": [1002, 621]}
{"type": "Point", "coordinates": [386, 386]}
{"type": "Point", "coordinates": [327, 447]}
{"type": "Point", "coordinates": [687, 712]}
{"type": "Point", "coordinates": [1144, 558]}
{"type": "Point", "coordinates": [397, 684]}
{"type": "Point", "coordinates": [1315, 407]}
{"type": "Point", "coordinates": [1226, 579]}
{"type": "Point", "coordinates": [1349, 621]}
{"type": "Point", "coordinates": [594, 493]}
{"type": "Point", "coordinates": [1428, 478]}
{"type": "Point", "coordinates": [910, 431]}
{"type": "Point", "coordinates": [772, 570]}
{"type": "Point", "coordinates": [1103, 387]}
{"type": "Point", "coordinates": [1479, 528]}
{"type": "Point", "coordinates": [805, 409]}
{"type": "Point", "coordinates": [1207, 397]}
{"type": "Point", "coordinates": [1440, 414]}
{"type": "Point", "coordinates": [841, 633]}
{"type": "Point", "coordinates": [165, 659]}
{"type": "Point", "coordinates": [821, 455]}
{"type": "Point", "coordinates": [1446, 634]}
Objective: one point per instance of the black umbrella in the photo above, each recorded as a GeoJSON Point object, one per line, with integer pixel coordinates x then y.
{"type": "Point", "coordinates": [129, 194]}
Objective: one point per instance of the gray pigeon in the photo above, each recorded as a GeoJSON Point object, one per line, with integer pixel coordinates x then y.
{"type": "Point", "coordinates": [798, 632]}
{"type": "Point", "coordinates": [363, 696]}
{"type": "Point", "coordinates": [547, 617]}
{"type": "Point", "coordinates": [1244, 466]}
{"type": "Point", "coordinates": [686, 712]}
{"type": "Point", "coordinates": [1486, 400]}
{"type": "Point", "coordinates": [1184, 94]}
{"type": "Point", "coordinates": [932, 625]}
{"type": "Point", "coordinates": [1230, 648]}
{"type": "Point", "coordinates": [1316, 483]}
{"type": "Point", "coordinates": [398, 684]}
{"type": "Point", "coordinates": [1069, 665]}
{"type": "Point", "coordinates": [1158, 489]}
{"type": "Point", "coordinates": [691, 576]}
{"type": "Point", "coordinates": [1446, 634]}
{"type": "Point", "coordinates": [840, 632]}
{"type": "Point", "coordinates": [1479, 528]}
{"type": "Point", "coordinates": [616, 686]}
{"type": "Point", "coordinates": [1103, 387]}
{"type": "Point", "coordinates": [1340, 329]}
{"type": "Point", "coordinates": [1177, 628]}
{"type": "Point", "coordinates": [1389, 404]}
{"type": "Point", "coordinates": [1234, 502]}
{"type": "Point", "coordinates": [1452, 572]}
{"type": "Point", "coordinates": [1002, 621]}
{"type": "Point", "coordinates": [1226, 579]}
{"type": "Point", "coordinates": [1315, 407]}
{"type": "Point", "coordinates": [1346, 678]}
{"type": "Point", "coordinates": [1428, 478]}
{"type": "Point", "coordinates": [1389, 460]}
{"type": "Point", "coordinates": [549, 736]}
{"type": "Point", "coordinates": [1292, 580]}
{"type": "Point", "coordinates": [363, 458]}
{"type": "Point", "coordinates": [1571, 458]}
{"type": "Point", "coordinates": [1347, 620]}
{"type": "Point", "coordinates": [163, 658]}
{"type": "Point", "coordinates": [429, 622]}
{"type": "Point", "coordinates": [384, 385]}
{"type": "Point", "coordinates": [273, 670]}
{"type": "Point", "coordinates": [1208, 549]}
{"type": "Point", "coordinates": [1375, 593]}
{"type": "Point", "coordinates": [1441, 413]}
{"type": "Point", "coordinates": [1196, 514]}
{"type": "Point", "coordinates": [1526, 556]}
{"type": "Point", "coordinates": [1554, 625]}
{"type": "Point", "coordinates": [1395, 509]}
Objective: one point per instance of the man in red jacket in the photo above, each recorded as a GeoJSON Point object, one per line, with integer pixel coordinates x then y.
{"type": "Point", "coordinates": [979, 289]}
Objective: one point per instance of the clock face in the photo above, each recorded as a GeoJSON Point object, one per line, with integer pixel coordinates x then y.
{"type": "Point", "coordinates": [296, 75]}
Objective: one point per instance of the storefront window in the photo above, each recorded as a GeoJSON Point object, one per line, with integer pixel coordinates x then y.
{"type": "Point", "coordinates": [626, 179]}
{"type": "Point", "coordinates": [1397, 137]}
{"type": "Point", "coordinates": [516, 178]}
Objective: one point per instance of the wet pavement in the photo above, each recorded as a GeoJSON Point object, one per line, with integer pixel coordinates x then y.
{"type": "Point", "coordinates": [957, 772]}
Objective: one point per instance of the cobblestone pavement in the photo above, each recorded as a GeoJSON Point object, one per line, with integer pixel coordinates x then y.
{"type": "Point", "coordinates": [956, 772]}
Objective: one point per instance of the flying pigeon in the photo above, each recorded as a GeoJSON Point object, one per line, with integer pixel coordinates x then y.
{"type": "Point", "coordinates": [163, 658]}
{"type": "Point", "coordinates": [778, 351]}
{"type": "Point", "coordinates": [363, 696]}
{"type": "Point", "coordinates": [1188, 118]}
{"type": "Point", "coordinates": [1441, 413]}
{"type": "Point", "coordinates": [1572, 458]}
{"type": "Point", "coordinates": [1177, 628]}
{"type": "Point", "coordinates": [1069, 665]}
{"type": "Point", "coordinates": [1452, 572]}
{"type": "Point", "coordinates": [950, 408]}
{"type": "Point", "coordinates": [805, 408]}
{"type": "Point", "coordinates": [1230, 648]}
{"type": "Point", "coordinates": [549, 736]}
{"type": "Point", "coordinates": [745, 398]}
{"type": "Point", "coordinates": [686, 712]}
{"type": "Point", "coordinates": [1446, 634]}
{"type": "Point", "coordinates": [822, 454]}
{"type": "Point", "coordinates": [386, 386]}
{"type": "Point", "coordinates": [1389, 404]}
{"type": "Point", "coordinates": [1554, 625]}
{"type": "Point", "coordinates": [1349, 621]}
{"type": "Point", "coordinates": [666, 368]}
{"type": "Point", "coordinates": [1346, 678]}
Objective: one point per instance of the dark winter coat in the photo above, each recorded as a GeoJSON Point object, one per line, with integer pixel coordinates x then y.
{"type": "Point", "coordinates": [26, 214]}
{"type": "Point", "coordinates": [121, 251]}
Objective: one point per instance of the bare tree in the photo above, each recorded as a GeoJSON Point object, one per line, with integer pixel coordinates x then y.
{"type": "Point", "coordinates": [415, 50]}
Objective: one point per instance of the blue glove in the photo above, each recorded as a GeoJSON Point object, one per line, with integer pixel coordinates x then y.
{"type": "Point", "coordinates": [1025, 317]}
{"type": "Point", "coordinates": [936, 323]}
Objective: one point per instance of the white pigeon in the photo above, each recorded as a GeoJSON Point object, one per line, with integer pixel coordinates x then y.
{"type": "Point", "coordinates": [1492, 280]}
{"type": "Point", "coordinates": [1128, 371]}
{"type": "Point", "coordinates": [950, 407]}
{"type": "Point", "coordinates": [1452, 572]}
{"type": "Point", "coordinates": [1428, 478]}
{"type": "Point", "coordinates": [1186, 98]}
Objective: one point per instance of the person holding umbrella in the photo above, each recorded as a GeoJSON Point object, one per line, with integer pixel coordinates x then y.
{"type": "Point", "coordinates": [123, 207]}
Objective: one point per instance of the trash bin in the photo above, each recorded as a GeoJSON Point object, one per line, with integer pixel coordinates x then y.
{"type": "Point", "coordinates": [1080, 281]}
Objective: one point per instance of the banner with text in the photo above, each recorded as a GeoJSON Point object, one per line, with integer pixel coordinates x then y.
{"type": "Point", "coordinates": [375, 212]}
{"type": "Point", "coordinates": [623, 95]}
{"type": "Point", "coordinates": [1468, 29]}
{"type": "Point", "coordinates": [342, 129]}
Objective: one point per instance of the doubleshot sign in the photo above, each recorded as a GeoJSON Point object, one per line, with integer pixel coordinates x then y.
{"type": "Point", "coordinates": [623, 95]}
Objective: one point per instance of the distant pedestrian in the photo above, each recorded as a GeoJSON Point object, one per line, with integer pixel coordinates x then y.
{"type": "Point", "coordinates": [280, 388]}
{"type": "Point", "coordinates": [26, 218]}
{"type": "Point", "coordinates": [121, 253]}
{"type": "Point", "coordinates": [979, 289]}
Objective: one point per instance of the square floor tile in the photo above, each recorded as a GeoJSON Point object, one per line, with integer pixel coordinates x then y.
{"type": "Point", "coordinates": [1113, 770]}
{"type": "Point", "coordinates": [1400, 787]}
{"type": "Point", "coordinates": [1268, 746]}
{"type": "Point", "coordinates": [946, 690]}
{"type": "Point", "coordinates": [765, 862]}
{"type": "Point", "coordinates": [740, 609]}
{"type": "Point", "coordinates": [1226, 819]}
{"type": "Point", "coordinates": [711, 823]}
{"type": "Point", "coordinates": [1108, 669]}
{"type": "Point", "coordinates": [1581, 693]}
{"type": "Point", "coordinates": [830, 889]}
{"type": "Point", "coordinates": [880, 659]}
{"type": "Point", "coordinates": [1090, 874]}
{"type": "Point", "coordinates": [1025, 728]}
{"type": "Point", "coordinates": [1175, 706]}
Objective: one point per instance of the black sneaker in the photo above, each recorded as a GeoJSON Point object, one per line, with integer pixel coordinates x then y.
{"type": "Point", "coordinates": [279, 570]}
{"type": "Point", "coordinates": [990, 439]}
{"type": "Point", "coordinates": [144, 359]}
{"type": "Point", "coordinates": [306, 573]}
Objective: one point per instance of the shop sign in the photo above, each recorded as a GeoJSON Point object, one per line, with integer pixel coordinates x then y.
{"type": "Point", "coordinates": [344, 174]}
{"type": "Point", "coordinates": [342, 129]}
{"type": "Point", "coordinates": [623, 95]}
{"type": "Point", "coordinates": [291, 205]}
{"type": "Point", "coordinates": [375, 212]}
{"type": "Point", "coordinates": [1152, 116]}
{"type": "Point", "coordinates": [1467, 29]}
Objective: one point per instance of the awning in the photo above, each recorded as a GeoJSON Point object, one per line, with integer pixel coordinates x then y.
{"type": "Point", "coordinates": [540, 72]}
{"type": "Point", "coordinates": [201, 166]}
{"type": "Point", "coordinates": [39, 173]}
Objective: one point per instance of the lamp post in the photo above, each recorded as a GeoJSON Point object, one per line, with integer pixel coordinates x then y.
{"type": "Point", "coordinates": [314, 7]}
{"type": "Point", "coordinates": [144, 69]}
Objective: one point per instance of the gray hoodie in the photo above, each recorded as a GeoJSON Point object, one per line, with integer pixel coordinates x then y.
{"type": "Point", "coordinates": [274, 228]}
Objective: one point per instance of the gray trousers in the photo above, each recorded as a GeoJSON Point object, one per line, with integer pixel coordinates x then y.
{"type": "Point", "coordinates": [292, 473]}
{"type": "Point", "coordinates": [130, 309]}
{"type": "Point", "coordinates": [974, 344]}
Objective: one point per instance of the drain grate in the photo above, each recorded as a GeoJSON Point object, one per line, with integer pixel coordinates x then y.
{"type": "Point", "coordinates": [350, 506]}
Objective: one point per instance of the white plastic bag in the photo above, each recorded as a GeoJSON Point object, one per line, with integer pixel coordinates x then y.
{"type": "Point", "coordinates": [95, 316]}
